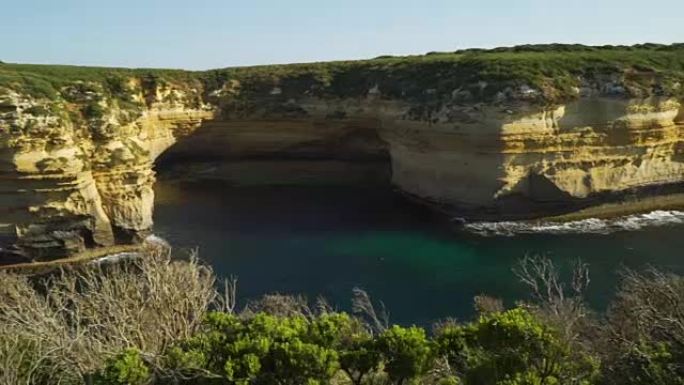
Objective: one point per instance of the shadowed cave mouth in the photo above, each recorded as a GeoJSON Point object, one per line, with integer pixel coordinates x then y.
{"type": "Point", "coordinates": [347, 169]}
{"type": "Point", "coordinates": [340, 162]}
{"type": "Point", "coordinates": [540, 199]}
{"type": "Point", "coordinates": [243, 154]}
{"type": "Point", "coordinates": [347, 153]}
{"type": "Point", "coordinates": [288, 152]}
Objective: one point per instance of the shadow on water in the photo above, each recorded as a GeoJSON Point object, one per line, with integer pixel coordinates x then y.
{"type": "Point", "coordinates": [325, 240]}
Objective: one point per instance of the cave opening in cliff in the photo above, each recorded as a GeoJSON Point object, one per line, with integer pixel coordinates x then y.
{"type": "Point", "coordinates": [238, 189]}
{"type": "Point", "coordinates": [280, 153]}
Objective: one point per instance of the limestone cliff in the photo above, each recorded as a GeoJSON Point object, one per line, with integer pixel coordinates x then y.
{"type": "Point", "coordinates": [533, 160]}
{"type": "Point", "coordinates": [77, 171]}
{"type": "Point", "coordinates": [515, 134]}
{"type": "Point", "coordinates": [518, 160]}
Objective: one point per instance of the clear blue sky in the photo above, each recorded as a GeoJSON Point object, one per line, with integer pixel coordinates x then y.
{"type": "Point", "coordinates": [202, 34]}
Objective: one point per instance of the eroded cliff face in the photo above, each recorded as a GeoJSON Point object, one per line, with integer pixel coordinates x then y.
{"type": "Point", "coordinates": [525, 162]}
{"type": "Point", "coordinates": [77, 171]}
{"type": "Point", "coordinates": [514, 160]}
{"type": "Point", "coordinates": [72, 181]}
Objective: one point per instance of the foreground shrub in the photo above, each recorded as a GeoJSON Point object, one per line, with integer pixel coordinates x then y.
{"type": "Point", "coordinates": [19, 359]}
{"type": "Point", "coordinates": [359, 356]}
{"type": "Point", "coordinates": [654, 364]}
{"type": "Point", "coordinates": [512, 347]}
{"type": "Point", "coordinates": [407, 353]}
{"type": "Point", "coordinates": [645, 332]}
{"type": "Point", "coordinates": [62, 328]}
{"type": "Point", "coordinates": [146, 322]}
{"type": "Point", "coordinates": [265, 349]}
{"type": "Point", "coordinates": [128, 368]}
{"type": "Point", "coordinates": [261, 349]}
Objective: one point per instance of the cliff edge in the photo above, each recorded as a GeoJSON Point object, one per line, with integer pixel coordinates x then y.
{"type": "Point", "coordinates": [514, 132]}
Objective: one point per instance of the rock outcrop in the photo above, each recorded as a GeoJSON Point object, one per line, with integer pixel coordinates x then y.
{"type": "Point", "coordinates": [517, 161]}
{"type": "Point", "coordinates": [527, 162]}
{"type": "Point", "coordinates": [77, 167]}
{"type": "Point", "coordinates": [70, 184]}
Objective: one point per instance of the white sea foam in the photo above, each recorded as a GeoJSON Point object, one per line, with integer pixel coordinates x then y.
{"type": "Point", "coordinates": [157, 240]}
{"type": "Point", "coordinates": [591, 225]}
{"type": "Point", "coordinates": [118, 257]}
{"type": "Point", "coordinates": [115, 258]}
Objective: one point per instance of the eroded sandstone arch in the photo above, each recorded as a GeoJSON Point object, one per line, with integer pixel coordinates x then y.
{"type": "Point", "coordinates": [66, 188]}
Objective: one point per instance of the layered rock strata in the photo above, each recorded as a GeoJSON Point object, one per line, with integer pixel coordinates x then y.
{"type": "Point", "coordinates": [515, 161]}
{"type": "Point", "coordinates": [69, 185]}
{"type": "Point", "coordinates": [77, 168]}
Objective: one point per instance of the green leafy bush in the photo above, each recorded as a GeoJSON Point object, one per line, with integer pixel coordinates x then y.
{"type": "Point", "coordinates": [649, 364]}
{"type": "Point", "coordinates": [128, 368]}
{"type": "Point", "coordinates": [513, 347]}
{"type": "Point", "coordinates": [407, 352]}
{"type": "Point", "coordinates": [116, 86]}
{"type": "Point", "coordinates": [358, 352]}
{"type": "Point", "coordinates": [645, 331]}
{"type": "Point", "coordinates": [261, 349]}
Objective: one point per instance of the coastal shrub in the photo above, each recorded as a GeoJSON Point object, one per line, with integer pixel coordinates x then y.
{"type": "Point", "coordinates": [38, 111]}
{"type": "Point", "coordinates": [358, 352]}
{"type": "Point", "coordinates": [512, 347]}
{"type": "Point", "coordinates": [647, 364]}
{"type": "Point", "coordinates": [554, 71]}
{"type": "Point", "coordinates": [127, 368]}
{"type": "Point", "coordinates": [515, 347]}
{"type": "Point", "coordinates": [485, 304]}
{"type": "Point", "coordinates": [644, 342]}
{"type": "Point", "coordinates": [296, 350]}
{"type": "Point", "coordinates": [261, 349]}
{"type": "Point", "coordinates": [407, 353]}
{"type": "Point", "coordinates": [27, 360]}
{"type": "Point", "coordinates": [116, 86]}
{"type": "Point", "coordinates": [66, 326]}
{"type": "Point", "coordinates": [451, 344]}
{"type": "Point", "coordinates": [147, 322]}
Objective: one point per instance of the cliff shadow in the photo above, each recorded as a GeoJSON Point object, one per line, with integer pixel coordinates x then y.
{"type": "Point", "coordinates": [285, 151]}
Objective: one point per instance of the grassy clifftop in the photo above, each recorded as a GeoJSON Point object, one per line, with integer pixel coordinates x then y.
{"type": "Point", "coordinates": [537, 73]}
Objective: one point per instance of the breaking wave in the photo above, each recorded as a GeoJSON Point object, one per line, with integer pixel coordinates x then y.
{"type": "Point", "coordinates": [115, 258]}
{"type": "Point", "coordinates": [591, 225]}
{"type": "Point", "coordinates": [157, 240]}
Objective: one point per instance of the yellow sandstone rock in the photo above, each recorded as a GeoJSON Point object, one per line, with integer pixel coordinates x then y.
{"type": "Point", "coordinates": [70, 184]}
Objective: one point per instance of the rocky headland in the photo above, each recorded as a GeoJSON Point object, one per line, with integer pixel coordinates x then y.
{"type": "Point", "coordinates": [520, 132]}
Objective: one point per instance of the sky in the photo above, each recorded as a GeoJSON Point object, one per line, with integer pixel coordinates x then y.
{"type": "Point", "coordinates": [204, 34]}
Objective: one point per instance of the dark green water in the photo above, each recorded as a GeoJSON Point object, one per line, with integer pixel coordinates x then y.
{"type": "Point", "coordinates": [316, 240]}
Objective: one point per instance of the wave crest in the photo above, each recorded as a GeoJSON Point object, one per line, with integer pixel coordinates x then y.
{"type": "Point", "coordinates": [591, 225]}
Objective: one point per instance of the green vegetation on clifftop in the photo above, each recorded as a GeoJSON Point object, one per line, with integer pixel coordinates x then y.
{"type": "Point", "coordinates": [536, 73]}
{"type": "Point", "coordinates": [48, 80]}
{"type": "Point", "coordinates": [481, 74]}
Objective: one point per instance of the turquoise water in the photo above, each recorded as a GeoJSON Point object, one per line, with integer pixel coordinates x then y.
{"type": "Point", "coordinates": [317, 240]}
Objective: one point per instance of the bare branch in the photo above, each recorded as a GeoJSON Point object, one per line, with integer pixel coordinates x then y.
{"type": "Point", "coordinates": [280, 305]}
{"type": "Point", "coordinates": [67, 325]}
{"type": "Point", "coordinates": [227, 302]}
{"type": "Point", "coordinates": [562, 307]}
{"type": "Point", "coordinates": [485, 304]}
{"type": "Point", "coordinates": [363, 307]}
